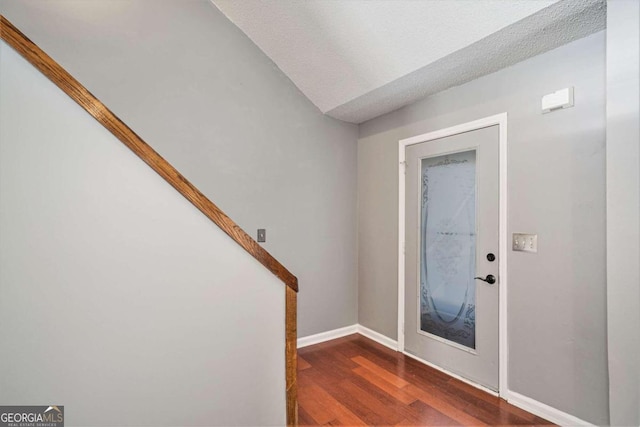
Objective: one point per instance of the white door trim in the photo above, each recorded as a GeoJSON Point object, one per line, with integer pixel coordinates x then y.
{"type": "Point", "coordinates": [501, 121]}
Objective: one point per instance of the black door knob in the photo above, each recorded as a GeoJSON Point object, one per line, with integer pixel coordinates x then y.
{"type": "Point", "coordinates": [491, 257]}
{"type": "Point", "coordinates": [490, 279]}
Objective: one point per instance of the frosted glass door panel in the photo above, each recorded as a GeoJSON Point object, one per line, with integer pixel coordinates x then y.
{"type": "Point", "coordinates": [448, 247]}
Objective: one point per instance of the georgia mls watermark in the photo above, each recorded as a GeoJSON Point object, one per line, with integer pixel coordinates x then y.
{"type": "Point", "coordinates": [32, 416]}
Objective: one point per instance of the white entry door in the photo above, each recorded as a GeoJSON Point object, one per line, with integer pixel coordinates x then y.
{"type": "Point", "coordinates": [451, 254]}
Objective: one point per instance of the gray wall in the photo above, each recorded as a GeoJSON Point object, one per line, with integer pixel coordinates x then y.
{"type": "Point", "coordinates": [204, 96]}
{"type": "Point", "coordinates": [556, 174]}
{"type": "Point", "coordinates": [118, 298]}
{"type": "Point", "coordinates": [623, 210]}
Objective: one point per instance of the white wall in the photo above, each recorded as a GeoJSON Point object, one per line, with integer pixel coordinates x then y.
{"type": "Point", "coordinates": [556, 189]}
{"type": "Point", "coordinates": [191, 84]}
{"type": "Point", "coordinates": [623, 210]}
{"type": "Point", "coordinates": [118, 298]}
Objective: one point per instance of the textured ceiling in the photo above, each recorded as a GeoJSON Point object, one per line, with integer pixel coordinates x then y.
{"type": "Point", "coordinates": [357, 59]}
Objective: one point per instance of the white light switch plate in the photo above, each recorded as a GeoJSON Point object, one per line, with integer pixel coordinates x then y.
{"type": "Point", "coordinates": [525, 242]}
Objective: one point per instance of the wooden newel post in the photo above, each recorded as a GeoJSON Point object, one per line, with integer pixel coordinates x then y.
{"type": "Point", "coordinates": [291, 356]}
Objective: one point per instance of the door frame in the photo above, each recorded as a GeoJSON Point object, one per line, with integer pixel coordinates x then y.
{"type": "Point", "coordinates": [501, 121]}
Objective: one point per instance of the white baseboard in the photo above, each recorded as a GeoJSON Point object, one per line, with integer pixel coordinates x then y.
{"type": "Point", "coordinates": [327, 336]}
{"type": "Point", "coordinates": [377, 337]}
{"type": "Point", "coordinates": [542, 410]}
{"type": "Point", "coordinates": [348, 330]}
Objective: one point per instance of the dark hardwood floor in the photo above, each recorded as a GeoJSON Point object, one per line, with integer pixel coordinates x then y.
{"type": "Point", "coordinates": [354, 381]}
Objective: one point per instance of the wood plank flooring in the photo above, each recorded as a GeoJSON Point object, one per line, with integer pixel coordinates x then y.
{"type": "Point", "coordinates": [354, 381]}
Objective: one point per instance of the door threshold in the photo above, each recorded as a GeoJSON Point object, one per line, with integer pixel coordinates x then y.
{"type": "Point", "coordinates": [451, 374]}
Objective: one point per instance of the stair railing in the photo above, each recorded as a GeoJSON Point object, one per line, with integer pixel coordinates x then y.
{"type": "Point", "coordinates": [74, 89]}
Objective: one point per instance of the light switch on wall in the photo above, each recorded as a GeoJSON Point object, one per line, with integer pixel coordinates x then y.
{"type": "Point", "coordinates": [525, 242]}
{"type": "Point", "coordinates": [262, 235]}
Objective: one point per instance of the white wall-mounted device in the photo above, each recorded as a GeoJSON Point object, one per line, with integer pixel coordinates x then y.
{"type": "Point", "coordinates": [562, 98]}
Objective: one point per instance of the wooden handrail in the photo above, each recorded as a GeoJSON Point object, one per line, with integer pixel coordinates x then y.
{"type": "Point", "coordinates": [58, 75]}
{"type": "Point", "coordinates": [76, 91]}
